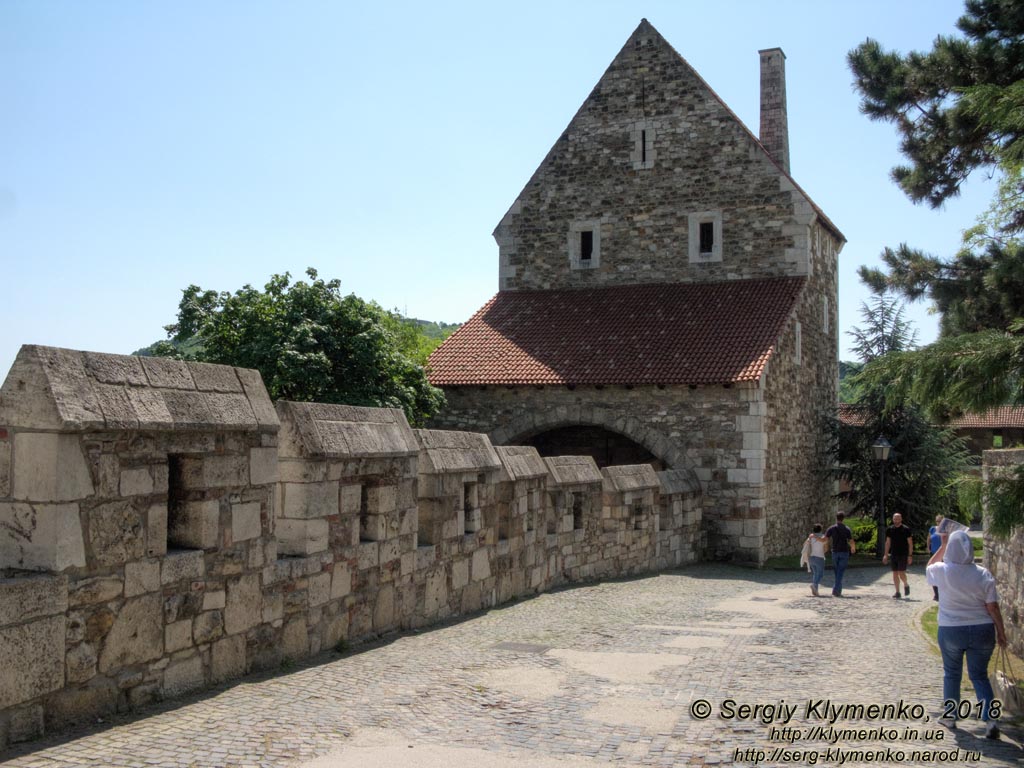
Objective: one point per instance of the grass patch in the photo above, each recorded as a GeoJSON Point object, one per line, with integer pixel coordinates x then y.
{"type": "Point", "coordinates": [930, 624]}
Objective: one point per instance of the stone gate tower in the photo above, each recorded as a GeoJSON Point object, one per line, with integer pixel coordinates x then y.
{"type": "Point", "coordinates": [667, 293]}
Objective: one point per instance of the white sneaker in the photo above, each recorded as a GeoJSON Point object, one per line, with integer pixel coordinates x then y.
{"type": "Point", "coordinates": [991, 730]}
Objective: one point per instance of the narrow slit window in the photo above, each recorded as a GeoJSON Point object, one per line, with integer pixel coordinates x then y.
{"type": "Point", "coordinates": [643, 146]}
{"type": "Point", "coordinates": [586, 245]}
{"type": "Point", "coordinates": [707, 237]}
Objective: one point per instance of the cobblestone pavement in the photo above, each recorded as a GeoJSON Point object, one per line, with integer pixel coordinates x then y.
{"type": "Point", "coordinates": [582, 677]}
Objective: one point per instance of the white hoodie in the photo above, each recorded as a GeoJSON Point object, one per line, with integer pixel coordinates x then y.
{"type": "Point", "coordinates": [964, 588]}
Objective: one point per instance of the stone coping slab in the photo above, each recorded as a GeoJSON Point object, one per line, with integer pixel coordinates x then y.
{"type": "Point", "coordinates": [322, 430]}
{"type": "Point", "coordinates": [50, 388]}
{"type": "Point", "coordinates": [630, 477]}
{"type": "Point", "coordinates": [450, 452]}
{"type": "Point", "coordinates": [521, 462]}
{"type": "Point", "coordinates": [573, 470]}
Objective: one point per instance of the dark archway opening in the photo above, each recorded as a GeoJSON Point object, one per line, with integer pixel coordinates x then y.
{"type": "Point", "coordinates": [607, 448]}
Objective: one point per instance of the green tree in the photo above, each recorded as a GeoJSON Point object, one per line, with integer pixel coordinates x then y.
{"type": "Point", "coordinates": [924, 461]}
{"type": "Point", "coordinates": [957, 106]}
{"type": "Point", "coordinates": [309, 343]}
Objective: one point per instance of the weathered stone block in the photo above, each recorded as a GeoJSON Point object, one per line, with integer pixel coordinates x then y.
{"type": "Point", "coordinates": [460, 573]}
{"type": "Point", "coordinates": [177, 635]}
{"type": "Point", "coordinates": [436, 593]}
{"type": "Point", "coordinates": [263, 466]}
{"type": "Point", "coordinates": [136, 482]}
{"type": "Point", "coordinates": [136, 634]}
{"type": "Point", "coordinates": [351, 499]}
{"type": "Point", "coordinates": [227, 658]}
{"type": "Point", "coordinates": [301, 537]}
{"type": "Point", "coordinates": [391, 549]}
{"type": "Point", "coordinates": [381, 499]}
{"type": "Point", "coordinates": [273, 607]}
{"type": "Point", "coordinates": [156, 530]}
{"type": "Point", "coordinates": [100, 589]}
{"type": "Point", "coordinates": [183, 676]}
{"type": "Point", "coordinates": [304, 501]}
{"type": "Point", "coordinates": [200, 473]}
{"type": "Point", "coordinates": [384, 609]}
{"type": "Point", "coordinates": [31, 660]}
{"type": "Point", "coordinates": [207, 626]}
{"type": "Point", "coordinates": [81, 663]}
{"type": "Point", "coordinates": [50, 467]}
{"type": "Point", "coordinates": [195, 524]}
{"type": "Point", "coordinates": [117, 533]}
{"type": "Point", "coordinates": [244, 604]}
{"type": "Point", "coordinates": [368, 555]}
{"type": "Point", "coordinates": [408, 521]}
{"type": "Point", "coordinates": [141, 577]}
{"type": "Point", "coordinates": [319, 589]}
{"type": "Point", "coordinates": [481, 565]}
{"type": "Point", "coordinates": [295, 639]}
{"type": "Point", "coordinates": [341, 581]}
{"type": "Point", "coordinates": [181, 566]}
{"type": "Point", "coordinates": [210, 377]}
{"type": "Point", "coordinates": [31, 597]}
{"type": "Point", "coordinates": [214, 600]}
{"type": "Point", "coordinates": [245, 521]}
{"type": "Point", "coordinates": [41, 536]}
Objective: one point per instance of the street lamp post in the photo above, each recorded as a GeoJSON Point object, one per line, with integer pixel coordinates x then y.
{"type": "Point", "coordinates": [881, 447]}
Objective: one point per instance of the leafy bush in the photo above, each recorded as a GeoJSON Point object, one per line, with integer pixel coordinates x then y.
{"type": "Point", "coordinates": [865, 533]}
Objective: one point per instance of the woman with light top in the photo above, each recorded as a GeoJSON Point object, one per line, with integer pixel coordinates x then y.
{"type": "Point", "coordinates": [970, 623]}
{"type": "Point", "coordinates": [813, 556]}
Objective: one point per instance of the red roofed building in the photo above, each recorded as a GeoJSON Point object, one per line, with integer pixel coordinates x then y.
{"type": "Point", "coordinates": [667, 294]}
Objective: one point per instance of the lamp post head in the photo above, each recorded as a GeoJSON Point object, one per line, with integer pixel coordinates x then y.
{"type": "Point", "coordinates": [881, 447]}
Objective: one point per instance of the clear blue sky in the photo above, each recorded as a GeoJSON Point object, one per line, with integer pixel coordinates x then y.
{"type": "Point", "coordinates": [145, 146]}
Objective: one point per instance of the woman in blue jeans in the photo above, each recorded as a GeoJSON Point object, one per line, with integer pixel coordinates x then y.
{"type": "Point", "coordinates": [970, 623]}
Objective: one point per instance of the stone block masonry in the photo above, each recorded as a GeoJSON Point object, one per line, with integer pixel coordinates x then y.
{"type": "Point", "coordinates": [164, 527]}
{"type": "Point", "coordinates": [1005, 557]}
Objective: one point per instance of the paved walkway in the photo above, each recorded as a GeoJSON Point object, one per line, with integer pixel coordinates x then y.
{"type": "Point", "coordinates": [607, 673]}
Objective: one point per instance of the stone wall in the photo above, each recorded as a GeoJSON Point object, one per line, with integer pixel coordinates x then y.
{"type": "Point", "coordinates": [164, 528]}
{"type": "Point", "coordinates": [698, 162]}
{"type": "Point", "coordinates": [800, 392]}
{"type": "Point", "coordinates": [714, 435]}
{"type": "Point", "coordinates": [1005, 557]}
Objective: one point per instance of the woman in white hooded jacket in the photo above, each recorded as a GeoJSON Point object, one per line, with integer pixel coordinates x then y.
{"type": "Point", "coordinates": [970, 623]}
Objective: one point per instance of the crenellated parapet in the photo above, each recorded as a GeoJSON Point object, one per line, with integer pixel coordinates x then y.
{"type": "Point", "coordinates": [165, 527]}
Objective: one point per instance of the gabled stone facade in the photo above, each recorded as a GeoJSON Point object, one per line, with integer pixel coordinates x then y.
{"type": "Point", "coordinates": [656, 181]}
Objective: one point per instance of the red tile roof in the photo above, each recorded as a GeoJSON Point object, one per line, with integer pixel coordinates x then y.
{"type": "Point", "coordinates": [853, 415]}
{"type": "Point", "coordinates": [1007, 416]}
{"type": "Point", "coordinates": [679, 333]}
{"type": "Point", "coordinates": [1004, 417]}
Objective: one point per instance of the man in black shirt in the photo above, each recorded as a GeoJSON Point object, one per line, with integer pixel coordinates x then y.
{"type": "Point", "coordinates": [899, 548]}
{"type": "Point", "coordinates": [841, 538]}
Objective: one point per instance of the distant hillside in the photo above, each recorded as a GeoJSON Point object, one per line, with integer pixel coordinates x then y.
{"type": "Point", "coordinates": [434, 330]}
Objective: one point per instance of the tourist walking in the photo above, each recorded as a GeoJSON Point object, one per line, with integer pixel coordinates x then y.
{"type": "Point", "coordinates": [840, 539]}
{"type": "Point", "coordinates": [899, 549]}
{"type": "Point", "coordinates": [934, 542]}
{"type": "Point", "coordinates": [813, 556]}
{"type": "Point", "coordinates": [970, 624]}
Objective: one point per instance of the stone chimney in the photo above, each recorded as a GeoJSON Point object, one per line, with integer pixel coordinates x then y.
{"type": "Point", "coordinates": [774, 124]}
